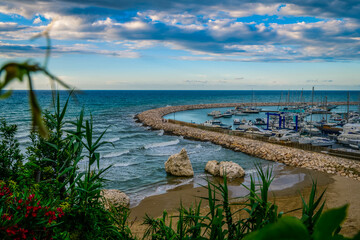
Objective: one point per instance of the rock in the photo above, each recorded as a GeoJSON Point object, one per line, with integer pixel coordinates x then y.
{"type": "Point", "coordinates": [213, 167]}
{"type": "Point", "coordinates": [115, 197]}
{"type": "Point", "coordinates": [179, 165]}
{"type": "Point", "coordinates": [233, 170]}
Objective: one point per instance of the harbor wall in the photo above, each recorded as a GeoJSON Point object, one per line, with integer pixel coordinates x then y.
{"type": "Point", "coordinates": [268, 151]}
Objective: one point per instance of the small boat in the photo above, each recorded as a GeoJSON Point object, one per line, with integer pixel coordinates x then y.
{"type": "Point", "coordinates": [251, 110]}
{"type": "Point", "coordinates": [237, 121]}
{"type": "Point", "coordinates": [240, 113]}
{"type": "Point", "coordinates": [214, 113]}
{"type": "Point", "coordinates": [227, 114]}
{"type": "Point", "coordinates": [212, 123]}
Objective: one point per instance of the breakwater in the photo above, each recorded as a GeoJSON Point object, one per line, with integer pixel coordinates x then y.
{"type": "Point", "coordinates": [268, 151]}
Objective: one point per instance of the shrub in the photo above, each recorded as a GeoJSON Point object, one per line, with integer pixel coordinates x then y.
{"type": "Point", "coordinates": [25, 215]}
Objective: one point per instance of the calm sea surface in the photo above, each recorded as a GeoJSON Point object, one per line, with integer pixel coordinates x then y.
{"type": "Point", "coordinates": [139, 154]}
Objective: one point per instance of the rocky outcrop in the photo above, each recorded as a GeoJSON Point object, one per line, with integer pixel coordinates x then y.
{"type": "Point", "coordinates": [213, 167]}
{"type": "Point", "coordinates": [269, 151]}
{"type": "Point", "coordinates": [231, 169]}
{"type": "Point", "coordinates": [115, 197]}
{"type": "Point", "coordinates": [179, 165]}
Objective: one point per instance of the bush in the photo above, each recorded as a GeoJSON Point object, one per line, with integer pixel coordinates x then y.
{"type": "Point", "coordinates": [25, 215]}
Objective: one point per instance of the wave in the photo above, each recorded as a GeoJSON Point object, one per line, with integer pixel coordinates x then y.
{"type": "Point", "coordinates": [116, 154]}
{"type": "Point", "coordinates": [112, 139]}
{"type": "Point", "coordinates": [131, 135]}
{"type": "Point", "coordinates": [161, 144]}
{"type": "Point", "coordinates": [161, 132]}
{"type": "Point", "coordinates": [124, 164]}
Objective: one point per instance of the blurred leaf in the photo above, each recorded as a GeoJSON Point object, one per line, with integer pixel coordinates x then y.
{"type": "Point", "coordinates": [329, 222]}
{"type": "Point", "coordinates": [285, 229]}
{"type": "Point", "coordinates": [6, 94]}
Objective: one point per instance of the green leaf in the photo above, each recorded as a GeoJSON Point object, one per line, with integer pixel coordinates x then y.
{"type": "Point", "coordinates": [287, 228]}
{"type": "Point", "coordinates": [6, 94]}
{"type": "Point", "coordinates": [329, 222]}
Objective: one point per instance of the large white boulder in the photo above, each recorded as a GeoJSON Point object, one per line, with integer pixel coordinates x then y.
{"type": "Point", "coordinates": [179, 165]}
{"type": "Point", "coordinates": [232, 170]}
{"type": "Point", "coordinates": [115, 197]}
{"type": "Point", "coordinates": [213, 167]}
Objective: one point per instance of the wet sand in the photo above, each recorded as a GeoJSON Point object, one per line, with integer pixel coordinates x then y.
{"type": "Point", "coordinates": [289, 182]}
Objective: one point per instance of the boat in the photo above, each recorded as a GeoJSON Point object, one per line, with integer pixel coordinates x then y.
{"type": "Point", "coordinates": [259, 121]}
{"type": "Point", "coordinates": [285, 135]}
{"type": "Point", "coordinates": [252, 110]}
{"type": "Point", "coordinates": [227, 114]}
{"type": "Point", "coordinates": [212, 123]}
{"type": "Point", "coordinates": [309, 129]}
{"type": "Point", "coordinates": [350, 134]}
{"type": "Point", "coordinates": [237, 121]}
{"type": "Point", "coordinates": [224, 126]}
{"type": "Point", "coordinates": [329, 129]}
{"type": "Point", "coordinates": [244, 126]}
{"type": "Point", "coordinates": [322, 142]}
{"type": "Point", "coordinates": [240, 113]}
{"type": "Point", "coordinates": [214, 113]}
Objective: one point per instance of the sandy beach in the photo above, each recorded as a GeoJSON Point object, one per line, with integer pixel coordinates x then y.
{"type": "Point", "coordinates": [287, 186]}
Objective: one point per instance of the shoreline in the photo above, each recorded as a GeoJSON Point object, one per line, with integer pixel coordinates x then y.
{"type": "Point", "coordinates": [265, 150]}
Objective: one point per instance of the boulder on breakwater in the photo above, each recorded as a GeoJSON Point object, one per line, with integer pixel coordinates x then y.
{"type": "Point", "coordinates": [232, 170]}
{"type": "Point", "coordinates": [179, 165]}
{"type": "Point", "coordinates": [115, 198]}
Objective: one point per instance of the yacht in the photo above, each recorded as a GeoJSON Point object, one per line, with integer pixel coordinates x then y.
{"type": "Point", "coordinates": [350, 134]}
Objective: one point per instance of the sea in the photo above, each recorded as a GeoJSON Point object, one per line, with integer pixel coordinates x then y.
{"type": "Point", "coordinates": [137, 153]}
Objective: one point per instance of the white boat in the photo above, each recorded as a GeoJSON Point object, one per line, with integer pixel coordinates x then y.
{"type": "Point", "coordinates": [322, 142]}
{"type": "Point", "coordinates": [227, 114]}
{"type": "Point", "coordinates": [252, 110]}
{"type": "Point", "coordinates": [350, 134]}
{"type": "Point", "coordinates": [240, 113]}
{"type": "Point", "coordinates": [286, 135]}
{"type": "Point", "coordinates": [214, 113]}
{"type": "Point", "coordinates": [245, 126]}
{"type": "Point", "coordinates": [237, 121]}
{"type": "Point", "coordinates": [212, 123]}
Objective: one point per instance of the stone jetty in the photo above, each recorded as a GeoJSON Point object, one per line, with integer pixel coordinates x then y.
{"type": "Point", "coordinates": [268, 151]}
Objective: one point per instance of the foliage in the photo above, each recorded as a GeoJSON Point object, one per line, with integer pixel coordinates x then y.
{"type": "Point", "coordinates": [262, 220]}
{"type": "Point", "coordinates": [309, 214]}
{"type": "Point", "coordinates": [24, 215]}
{"type": "Point", "coordinates": [10, 157]}
{"type": "Point", "coordinates": [53, 169]}
{"type": "Point", "coordinates": [327, 227]}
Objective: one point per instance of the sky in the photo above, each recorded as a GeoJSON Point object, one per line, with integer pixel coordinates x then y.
{"type": "Point", "coordinates": [187, 44]}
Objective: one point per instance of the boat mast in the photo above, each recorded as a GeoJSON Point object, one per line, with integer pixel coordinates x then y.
{"type": "Point", "coordinates": [348, 104]}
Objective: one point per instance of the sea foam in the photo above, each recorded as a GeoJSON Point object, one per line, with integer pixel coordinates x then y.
{"type": "Point", "coordinates": [162, 144]}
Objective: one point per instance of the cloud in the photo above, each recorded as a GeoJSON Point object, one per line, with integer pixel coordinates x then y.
{"type": "Point", "coordinates": [322, 30]}
{"type": "Point", "coordinates": [30, 51]}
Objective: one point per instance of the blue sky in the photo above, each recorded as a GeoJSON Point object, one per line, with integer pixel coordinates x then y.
{"type": "Point", "coordinates": [230, 44]}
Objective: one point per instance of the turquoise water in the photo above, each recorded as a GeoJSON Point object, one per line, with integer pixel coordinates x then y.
{"type": "Point", "coordinates": [139, 154]}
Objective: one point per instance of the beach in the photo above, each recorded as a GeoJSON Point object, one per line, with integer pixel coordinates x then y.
{"type": "Point", "coordinates": [339, 191]}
